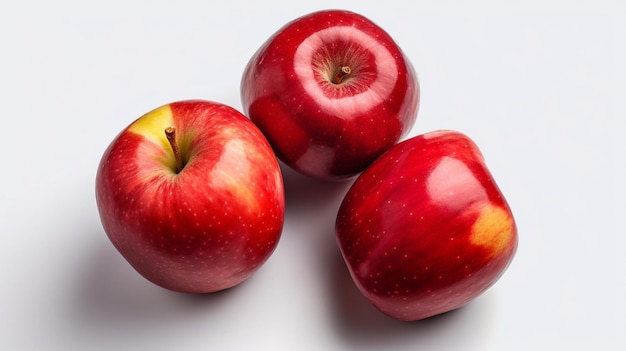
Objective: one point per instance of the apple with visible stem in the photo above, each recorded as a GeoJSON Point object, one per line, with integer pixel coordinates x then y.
{"type": "Point", "coordinates": [331, 91]}
{"type": "Point", "coordinates": [191, 195]}
{"type": "Point", "coordinates": [425, 229]}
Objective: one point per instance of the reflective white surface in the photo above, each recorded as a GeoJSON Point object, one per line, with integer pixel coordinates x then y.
{"type": "Point", "coordinates": [537, 85]}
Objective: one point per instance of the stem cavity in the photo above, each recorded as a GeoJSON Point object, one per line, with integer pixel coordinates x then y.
{"type": "Point", "coordinates": [343, 72]}
{"type": "Point", "coordinates": [170, 133]}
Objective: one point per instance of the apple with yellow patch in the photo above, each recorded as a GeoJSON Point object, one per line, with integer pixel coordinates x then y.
{"type": "Point", "coordinates": [425, 229]}
{"type": "Point", "coordinates": [191, 195]}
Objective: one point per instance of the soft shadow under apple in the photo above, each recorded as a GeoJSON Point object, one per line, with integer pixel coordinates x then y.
{"type": "Point", "coordinates": [359, 325]}
{"type": "Point", "coordinates": [310, 197]}
{"type": "Point", "coordinates": [113, 300]}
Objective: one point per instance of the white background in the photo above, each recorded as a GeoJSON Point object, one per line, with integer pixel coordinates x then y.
{"type": "Point", "coordinates": [537, 85]}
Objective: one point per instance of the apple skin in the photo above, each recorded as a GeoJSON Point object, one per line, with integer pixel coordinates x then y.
{"type": "Point", "coordinates": [425, 229]}
{"type": "Point", "coordinates": [323, 129]}
{"type": "Point", "coordinates": [211, 225]}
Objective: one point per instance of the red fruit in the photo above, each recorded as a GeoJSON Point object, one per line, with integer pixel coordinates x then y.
{"type": "Point", "coordinates": [198, 220]}
{"type": "Point", "coordinates": [331, 91]}
{"type": "Point", "coordinates": [425, 229]}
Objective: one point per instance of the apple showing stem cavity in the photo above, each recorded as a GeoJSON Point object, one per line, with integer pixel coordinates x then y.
{"type": "Point", "coordinates": [425, 229]}
{"type": "Point", "coordinates": [192, 196]}
{"type": "Point", "coordinates": [331, 91]}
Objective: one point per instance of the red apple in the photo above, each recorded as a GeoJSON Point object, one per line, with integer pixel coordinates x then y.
{"type": "Point", "coordinates": [331, 91]}
{"type": "Point", "coordinates": [191, 195]}
{"type": "Point", "coordinates": [425, 229]}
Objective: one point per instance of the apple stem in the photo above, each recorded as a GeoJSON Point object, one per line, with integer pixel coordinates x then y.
{"type": "Point", "coordinates": [341, 74]}
{"type": "Point", "coordinates": [170, 133]}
